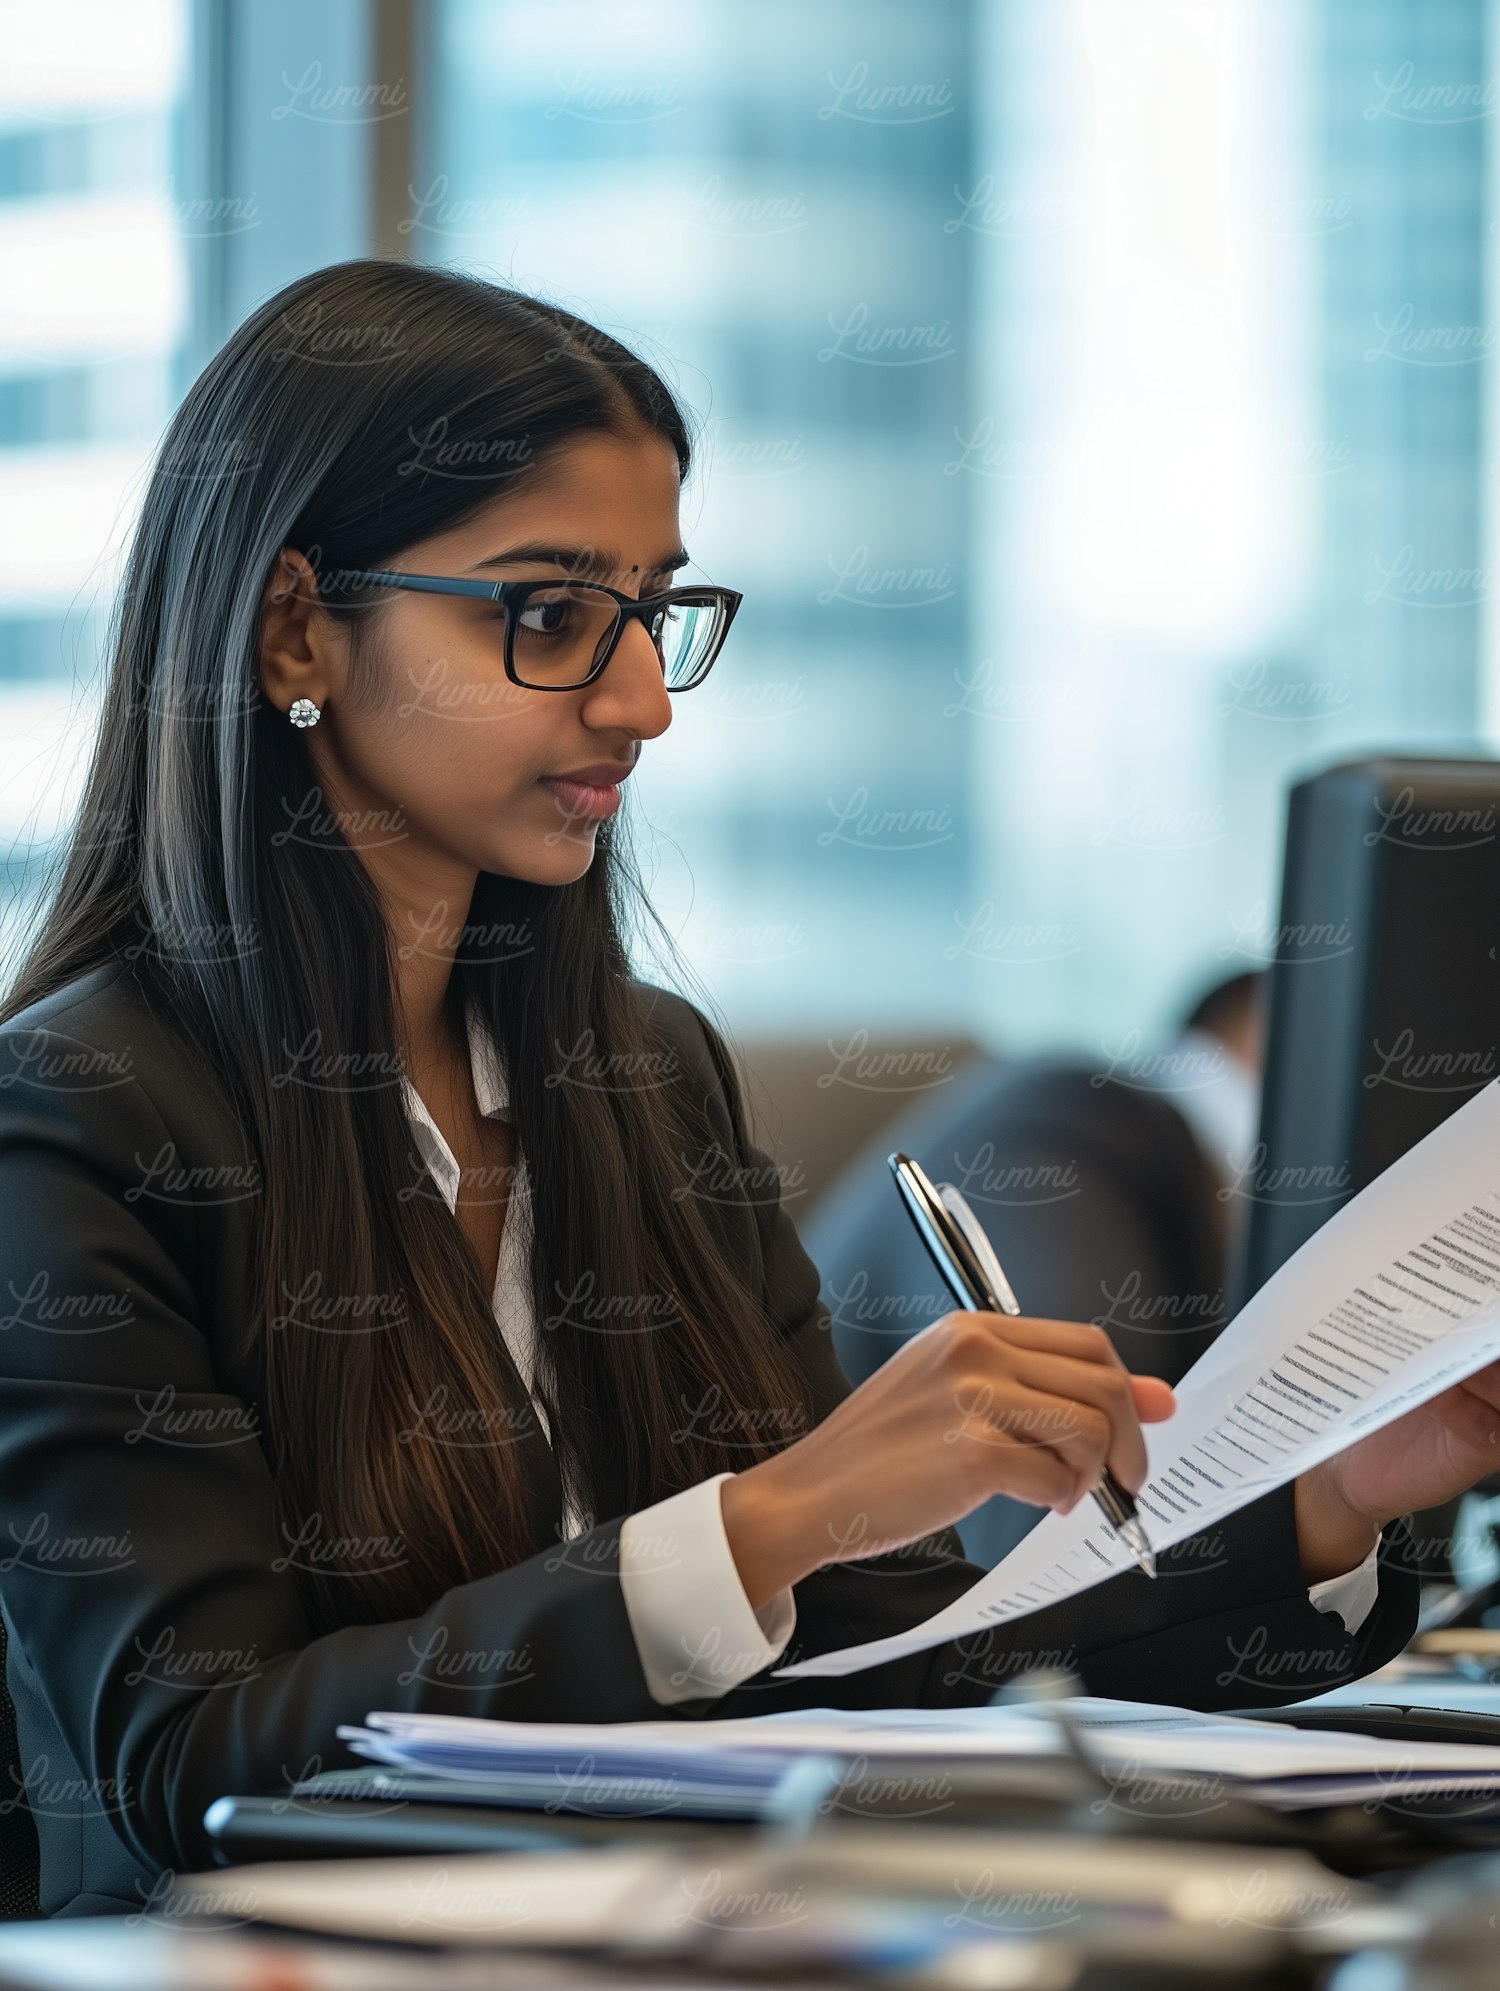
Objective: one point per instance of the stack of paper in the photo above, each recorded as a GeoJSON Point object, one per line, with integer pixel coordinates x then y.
{"type": "Point", "coordinates": [1132, 1744]}
{"type": "Point", "coordinates": [603, 1767]}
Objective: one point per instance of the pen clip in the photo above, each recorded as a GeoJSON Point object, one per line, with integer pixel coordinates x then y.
{"type": "Point", "coordinates": [957, 1206]}
{"type": "Point", "coordinates": [945, 1240]}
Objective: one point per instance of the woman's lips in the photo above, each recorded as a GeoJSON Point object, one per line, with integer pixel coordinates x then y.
{"type": "Point", "coordinates": [585, 798]}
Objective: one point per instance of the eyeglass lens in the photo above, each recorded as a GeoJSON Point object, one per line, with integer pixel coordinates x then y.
{"type": "Point", "coordinates": [561, 632]}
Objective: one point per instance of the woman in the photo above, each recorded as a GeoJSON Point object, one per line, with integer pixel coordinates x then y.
{"type": "Point", "coordinates": [400, 1315]}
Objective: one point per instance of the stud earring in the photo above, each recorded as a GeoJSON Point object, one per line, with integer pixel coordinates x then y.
{"type": "Point", "coordinates": [305, 713]}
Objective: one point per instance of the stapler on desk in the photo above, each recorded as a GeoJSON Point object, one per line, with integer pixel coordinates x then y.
{"type": "Point", "coordinates": [1394, 1720]}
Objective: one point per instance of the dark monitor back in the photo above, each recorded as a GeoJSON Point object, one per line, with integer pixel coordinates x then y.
{"type": "Point", "coordinates": [1384, 1009]}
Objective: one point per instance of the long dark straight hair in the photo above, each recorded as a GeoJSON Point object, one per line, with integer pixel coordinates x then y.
{"type": "Point", "coordinates": [361, 409]}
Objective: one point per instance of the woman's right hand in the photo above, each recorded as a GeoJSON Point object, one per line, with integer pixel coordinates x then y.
{"type": "Point", "coordinates": [976, 1404]}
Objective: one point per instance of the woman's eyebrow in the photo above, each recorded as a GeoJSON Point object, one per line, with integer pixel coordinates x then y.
{"type": "Point", "coordinates": [580, 561]}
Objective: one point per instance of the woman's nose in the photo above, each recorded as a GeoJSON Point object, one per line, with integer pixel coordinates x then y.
{"type": "Point", "coordinates": [631, 690]}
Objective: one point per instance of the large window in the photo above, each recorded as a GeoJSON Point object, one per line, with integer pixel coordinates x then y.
{"type": "Point", "coordinates": [1092, 406]}
{"type": "Point", "coordinates": [93, 316]}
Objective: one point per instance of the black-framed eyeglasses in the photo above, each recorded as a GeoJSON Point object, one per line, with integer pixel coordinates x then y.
{"type": "Point", "coordinates": [561, 634]}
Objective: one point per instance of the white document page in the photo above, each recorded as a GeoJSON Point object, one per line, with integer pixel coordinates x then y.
{"type": "Point", "coordinates": [1395, 1299]}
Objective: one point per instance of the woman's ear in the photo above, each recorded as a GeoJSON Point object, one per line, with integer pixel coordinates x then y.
{"type": "Point", "coordinates": [301, 648]}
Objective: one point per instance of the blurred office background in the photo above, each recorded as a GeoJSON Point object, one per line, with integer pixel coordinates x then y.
{"type": "Point", "coordinates": [1096, 406]}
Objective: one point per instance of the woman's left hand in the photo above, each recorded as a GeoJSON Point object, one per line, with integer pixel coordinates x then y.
{"type": "Point", "coordinates": [1434, 1452]}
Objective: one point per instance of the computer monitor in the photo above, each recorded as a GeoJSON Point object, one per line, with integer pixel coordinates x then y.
{"type": "Point", "coordinates": [1384, 1000]}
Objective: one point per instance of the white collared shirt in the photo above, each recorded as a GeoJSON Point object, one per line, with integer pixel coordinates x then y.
{"type": "Point", "coordinates": [695, 1630]}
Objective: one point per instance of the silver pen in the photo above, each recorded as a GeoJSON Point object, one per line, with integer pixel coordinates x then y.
{"type": "Point", "coordinates": [967, 1260]}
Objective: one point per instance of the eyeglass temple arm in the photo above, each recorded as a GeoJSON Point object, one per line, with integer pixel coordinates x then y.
{"type": "Point", "coordinates": [432, 584]}
{"type": "Point", "coordinates": [496, 590]}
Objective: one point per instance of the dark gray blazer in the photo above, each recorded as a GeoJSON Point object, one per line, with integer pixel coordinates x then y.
{"type": "Point", "coordinates": [131, 1554]}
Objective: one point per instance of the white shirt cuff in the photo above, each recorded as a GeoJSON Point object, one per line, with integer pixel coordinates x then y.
{"type": "Point", "coordinates": [1351, 1595]}
{"type": "Point", "coordinates": [694, 1628]}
